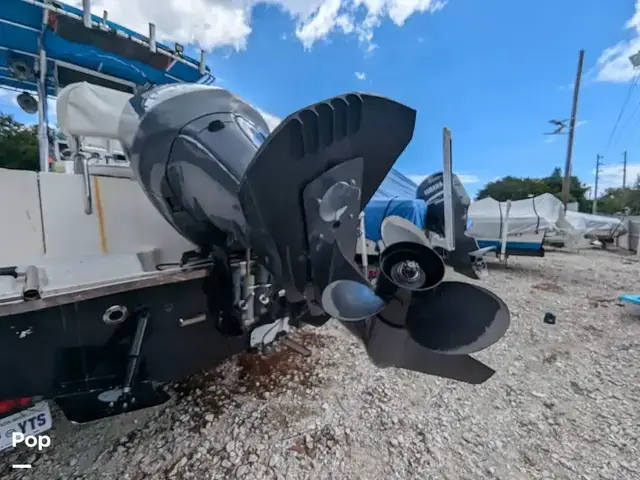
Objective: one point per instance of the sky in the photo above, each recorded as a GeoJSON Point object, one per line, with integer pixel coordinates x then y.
{"type": "Point", "coordinates": [493, 71]}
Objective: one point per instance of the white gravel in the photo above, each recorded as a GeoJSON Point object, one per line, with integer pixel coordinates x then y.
{"type": "Point", "coordinates": [564, 404]}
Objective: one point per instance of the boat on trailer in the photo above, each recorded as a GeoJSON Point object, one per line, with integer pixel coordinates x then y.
{"type": "Point", "coordinates": [524, 227]}
{"type": "Point", "coordinates": [117, 279]}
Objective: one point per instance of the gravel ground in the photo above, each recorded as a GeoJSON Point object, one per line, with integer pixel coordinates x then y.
{"type": "Point", "coordinates": [564, 403]}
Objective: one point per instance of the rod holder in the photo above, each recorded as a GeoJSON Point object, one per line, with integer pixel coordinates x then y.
{"type": "Point", "coordinates": [31, 289]}
{"type": "Point", "coordinates": [202, 63]}
{"type": "Point", "coordinates": [152, 37]}
{"type": "Point", "coordinates": [86, 180]}
{"type": "Point", "coordinates": [86, 13]}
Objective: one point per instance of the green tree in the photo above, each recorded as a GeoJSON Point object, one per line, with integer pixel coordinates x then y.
{"type": "Point", "coordinates": [618, 200]}
{"type": "Point", "coordinates": [18, 145]}
{"type": "Point", "coordinates": [516, 188]}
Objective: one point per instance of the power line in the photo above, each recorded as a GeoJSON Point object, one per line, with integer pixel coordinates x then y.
{"type": "Point", "coordinates": [632, 87]}
{"type": "Point", "coordinates": [630, 120]}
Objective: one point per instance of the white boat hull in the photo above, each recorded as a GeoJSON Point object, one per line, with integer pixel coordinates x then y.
{"type": "Point", "coordinates": [48, 221]}
{"type": "Point", "coordinates": [524, 242]}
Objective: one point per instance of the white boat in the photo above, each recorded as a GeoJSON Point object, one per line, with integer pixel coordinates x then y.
{"type": "Point", "coordinates": [523, 227]}
{"type": "Point", "coordinates": [597, 227]}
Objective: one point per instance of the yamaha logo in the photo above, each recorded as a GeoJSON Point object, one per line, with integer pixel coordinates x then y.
{"type": "Point", "coordinates": [432, 188]}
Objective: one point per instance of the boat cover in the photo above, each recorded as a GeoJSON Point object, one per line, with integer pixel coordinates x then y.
{"type": "Point", "coordinates": [94, 113]}
{"type": "Point", "coordinates": [531, 215]}
{"type": "Point", "coordinates": [600, 225]}
{"type": "Point", "coordinates": [486, 216]}
{"type": "Point", "coordinates": [87, 110]}
{"type": "Point", "coordinates": [395, 196]}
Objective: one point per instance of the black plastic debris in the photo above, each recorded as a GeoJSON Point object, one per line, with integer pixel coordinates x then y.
{"type": "Point", "coordinates": [549, 318]}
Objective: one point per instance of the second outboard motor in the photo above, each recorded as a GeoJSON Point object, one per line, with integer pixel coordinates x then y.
{"type": "Point", "coordinates": [467, 258]}
{"type": "Point", "coordinates": [293, 198]}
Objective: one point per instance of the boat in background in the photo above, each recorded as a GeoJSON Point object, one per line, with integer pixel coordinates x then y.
{"type": "Point", "coordinates": [602, 228]}
{"type": "Point", "coordinates": [524, 227]}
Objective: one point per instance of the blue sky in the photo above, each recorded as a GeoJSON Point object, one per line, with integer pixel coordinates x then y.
{"type": "Point", "coordinates": [493, 71]}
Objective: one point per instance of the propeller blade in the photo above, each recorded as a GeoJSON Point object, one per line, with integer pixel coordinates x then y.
{"type": "Point", "coordinates": [457, 318]}
{"type": "Point", "coordinates": [351, 301]}
{"type": "Point", "coordinates": [391, 346]}
{"type": "Point", "coordinates": [397, 229]}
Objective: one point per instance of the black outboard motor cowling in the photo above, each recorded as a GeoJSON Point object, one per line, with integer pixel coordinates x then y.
{"type": "Point", "coordinates": [467, 258]}
{"type": "Point", "coordinates": [189, 146]}
{"type": "Point", "coordinates": [293, 198]}
{"type": "Point", "coordinates": [431, 190]}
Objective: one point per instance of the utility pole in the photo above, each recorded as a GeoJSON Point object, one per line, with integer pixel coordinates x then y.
{"type": "Point", "coordinates": [594, 203]}
{"type": "Point", "coordinates": [572, 125]}
{"type": "Point", "coordinates": [624, 170]}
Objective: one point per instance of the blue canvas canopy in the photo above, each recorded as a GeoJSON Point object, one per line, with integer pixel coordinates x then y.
{"type": "Point", "coordinates": [395, 196]}
{"type": "Point", "coordinates": [107, 53]}
{"type": "Point", "coordinates": [396, 185]}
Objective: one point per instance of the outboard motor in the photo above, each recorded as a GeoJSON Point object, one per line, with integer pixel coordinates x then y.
{"type": "Point", "coordinates": [291, 199]}
{"type": "Point", "coordinates": [467, 258]}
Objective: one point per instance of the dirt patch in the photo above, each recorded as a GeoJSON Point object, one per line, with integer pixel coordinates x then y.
{"type": "Point", "coordinates": [255, 373]}
{"type": "Point", "coordinates": [273, 373]}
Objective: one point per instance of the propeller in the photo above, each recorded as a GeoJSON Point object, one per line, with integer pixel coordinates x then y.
{"type": "Point", "coordinates": [479, 317]}
{"type": "Point", "coordinates": [427, 324]}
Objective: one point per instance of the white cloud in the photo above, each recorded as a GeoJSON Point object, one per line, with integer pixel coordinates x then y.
{"type": "Point", "coordinates": [613, 64]}
{"type": "Point", "coordinates": [467, 179]}
{"type": "Point", "coordinates": [360, 75]}
{"type": "Point", "coordinates": [217, 23]}
{"type": "Point", "coordinates": [8, 97]}
{"type": "Point", "coordinates": [464, 178]}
